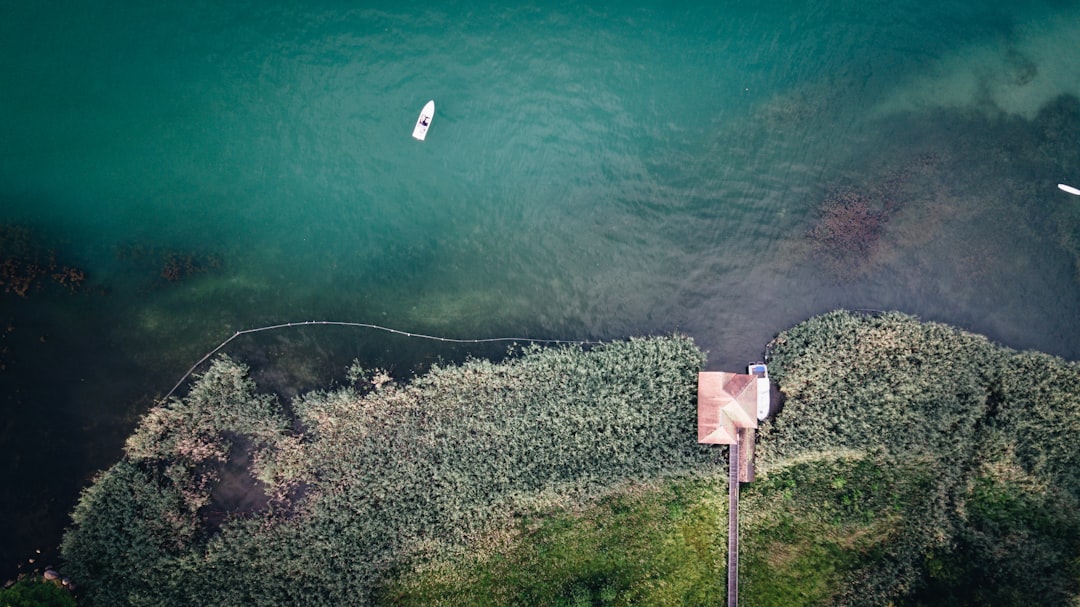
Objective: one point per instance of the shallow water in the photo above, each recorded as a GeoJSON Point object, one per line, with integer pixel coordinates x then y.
{"type": "Point", "coordinates": [593, 172]}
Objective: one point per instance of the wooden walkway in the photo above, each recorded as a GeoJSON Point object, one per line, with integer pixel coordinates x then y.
{"type": "Point", "coordinates": [733, 526]}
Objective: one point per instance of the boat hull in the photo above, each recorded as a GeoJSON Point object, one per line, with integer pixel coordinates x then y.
{"type": "Point", "coordinates": [424, 121]}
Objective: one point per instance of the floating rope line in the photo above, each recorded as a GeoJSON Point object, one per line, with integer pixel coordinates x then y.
{"type": "Point", "coordinates": [367, 326]}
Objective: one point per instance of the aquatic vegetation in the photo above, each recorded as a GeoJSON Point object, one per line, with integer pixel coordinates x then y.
{"type": "Point", "coordinates": [850, 225]}
{"type": "Point", "coordinates": [913, 464]}
{"type": "Point", "coordinates": [848, 230]}
{"type": "Point", "coordinates": [179, 266]}
{"type": "Point", "coordinates": [26, 263]}
{"type": "Point", "coordinates": [973, 417]}
{"type": "Point", "coordinates": [171, 266]}
{"type": "Point", "coordinates": [358, 484]}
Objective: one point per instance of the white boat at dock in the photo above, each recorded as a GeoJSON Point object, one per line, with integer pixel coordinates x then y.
{"type": "Point", "coordinates": [761, 372]}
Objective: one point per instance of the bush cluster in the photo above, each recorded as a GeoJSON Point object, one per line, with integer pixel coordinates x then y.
{"type": "Point", "coordinates": [976, 418]}
{"type": "Point", "coordinates": [359, 483]}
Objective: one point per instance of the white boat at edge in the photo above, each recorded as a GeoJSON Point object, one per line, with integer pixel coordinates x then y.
{"type": "Point", "coordinates": [424, 121]}
{"type": "Point", "coordinates": [1069, 189]}
{"type": "Point", "coordinates": [760, 371]}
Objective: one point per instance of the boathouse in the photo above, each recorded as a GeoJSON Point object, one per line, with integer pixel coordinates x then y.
{"type": "Point", "coordinates": [729, 406]}
{"type": "Point", "coordinates": [728, 411]}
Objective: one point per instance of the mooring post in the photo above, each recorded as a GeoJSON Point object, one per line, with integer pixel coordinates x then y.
{"type": "Point", "coordinates": [733, 525]}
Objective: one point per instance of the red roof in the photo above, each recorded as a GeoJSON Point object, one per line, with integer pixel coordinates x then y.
{"type": "Point", "coordinates": [726, 402]}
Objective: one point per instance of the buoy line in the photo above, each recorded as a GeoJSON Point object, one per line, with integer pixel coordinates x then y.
{"type": "Point", "coordinates": [364, 325]}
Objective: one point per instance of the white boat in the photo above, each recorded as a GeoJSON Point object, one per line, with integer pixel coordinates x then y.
{"type": "Point", "coordinates": [1069, 189]}
{"type": "Point", "coordinates": [424, 121]}
{"type": "Point", "coordinates": [761, 374]}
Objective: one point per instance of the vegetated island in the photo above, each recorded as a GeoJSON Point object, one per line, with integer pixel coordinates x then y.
{"type": "Point", "coordinates": [912, 464]}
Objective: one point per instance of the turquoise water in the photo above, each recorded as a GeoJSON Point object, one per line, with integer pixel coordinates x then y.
{"type": "Point", "coordinates": [594, 171]}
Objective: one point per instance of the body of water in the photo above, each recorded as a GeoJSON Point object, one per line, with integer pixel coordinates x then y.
{"type": "Point", "coordinates": [594, 170]}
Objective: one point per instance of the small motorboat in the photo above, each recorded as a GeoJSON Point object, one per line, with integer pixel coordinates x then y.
{"type": "Point", "coordinates": [1069, 189]}
{"type": "Point", "coordinates": [761, 374]}
{"type": "Point", "coordinates": [424, 121]}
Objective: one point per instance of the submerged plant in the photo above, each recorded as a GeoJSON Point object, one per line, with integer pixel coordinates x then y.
{"type": "Point", "coordinates": [849, 231]}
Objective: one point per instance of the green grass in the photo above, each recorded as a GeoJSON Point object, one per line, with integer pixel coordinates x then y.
{"type": "Point", "coordinates": [807, 529]}
{"type": "Point", "coordinates": [645, 546]}
{"type": "Point", "coordinates": [812, 529]}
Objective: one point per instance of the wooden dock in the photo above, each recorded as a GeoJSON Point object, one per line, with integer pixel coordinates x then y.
{"type": "Point", "coordinates": [745, 455]}
{"type": "Point", "coordinates": [728, 407]}
{"type": "Point", "coordinates": [733, 526]}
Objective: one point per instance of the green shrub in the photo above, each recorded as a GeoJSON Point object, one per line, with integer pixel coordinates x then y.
{"type": "Point", "coordinates": [36, 592]}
